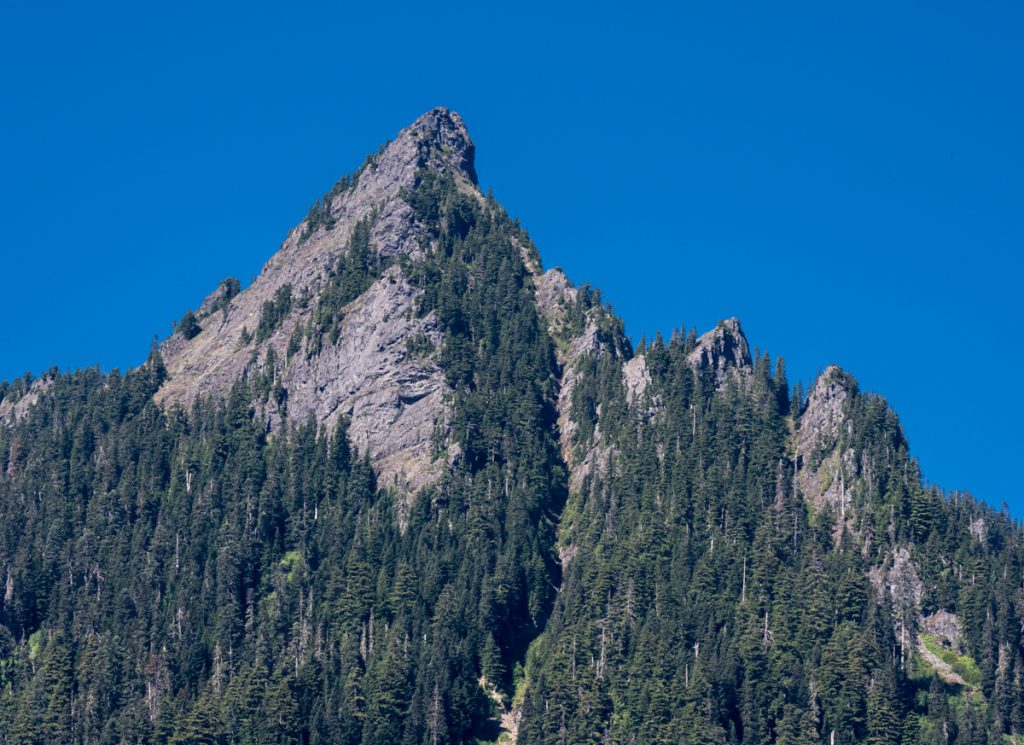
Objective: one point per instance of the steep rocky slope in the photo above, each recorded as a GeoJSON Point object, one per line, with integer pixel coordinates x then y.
{"type": "Point", "coordinates": [394, 397]}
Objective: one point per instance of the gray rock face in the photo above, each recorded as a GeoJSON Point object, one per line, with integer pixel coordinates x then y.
{"type": "Point", "coordinates": [721, 349]}
{"type": "Point", "coordinates": [905, 589]}
{"type": "Point", "coordinates": [636, 378]}
{"type": "Point", "coordinates": [555, 294]}
{"type": "Point", "coordinates": [12, 411]}
{"type": "Point", "coordinates": [945, 627]}
{"type": "Point", "coordinates": [823, 472]}
{"type": "Point", "coordinates": [903, 581]}
{"type": "Point", "coordinates": [979, 529]}
{"type": "Point", "coordinates": [899, 581]}
{"type": "Point", "coordinates": [823, 418]}
{"type": "Point", "coordinates": [217, 298]}
{"type": "Point", "coordinates": [394, 398]}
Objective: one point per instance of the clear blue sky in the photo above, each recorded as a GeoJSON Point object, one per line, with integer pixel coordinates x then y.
{"type": "Point", "coordinates": [846, 180]}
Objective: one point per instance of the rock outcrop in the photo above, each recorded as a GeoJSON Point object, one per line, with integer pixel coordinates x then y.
{"type": "Point", "coordinates": [898, 580]}
{"type": "Point", "coordinates": [721, 350]}
{"type": "Point", "coordinates": [945, 627]}
{"type": "Point", "coordinates": [636, 377]}
{"type": "Point", "coordinates": [556, 299]}
{"type": "Point", "coordinates": [394, 396]}
{"type": "Point", "coordinates": [11, 409]}
{"type": "Point", "coordinates": [822, 469]}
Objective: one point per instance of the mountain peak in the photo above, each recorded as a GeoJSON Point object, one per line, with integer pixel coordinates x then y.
{"type": "Point", "coordinates": [823, 415]}
{"type": "Point", "coordinates": [723, 347]}
{"type": "Point", "coordinates": [834, 382]}
{"type": "Point", "coordinates": [350, 359]}
{"type": "Point", "coordinates": [823, 463]}
{"type": "Point", "coordinates": [441, 142]}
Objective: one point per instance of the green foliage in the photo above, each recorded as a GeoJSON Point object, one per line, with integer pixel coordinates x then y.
{"type": "Point", "coordinates": [419, 345]}
{"type": "Point", "coordinates": [226, 292]}
{"type": "Point", "coordinates": [189, 326]}
{"type": "Point", "coordinates": [962, 665]}
{"type": "Point", "coordinates": [508, 483]}
{"type": "Point", "coordinates": [720, 611]}
{"type": "Point", "coordinates": [357, 268]}
{"type": "Point", "coordinates": [274, 312]}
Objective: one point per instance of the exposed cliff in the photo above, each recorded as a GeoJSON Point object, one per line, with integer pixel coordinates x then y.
{"type": "Point", "coordinates": [824, 469]}
{"type": "Point", "coordinates": [366, 368]}
{"type": "Point", "coordinates": [586, 332]}
{"type": "Point", "coordinates": [721, 350]}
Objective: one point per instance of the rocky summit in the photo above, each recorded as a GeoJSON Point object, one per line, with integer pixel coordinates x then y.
{"type": "Point", "coordinates": [409, 487]}
{"type": "Point", "coordinates": [392, 398]}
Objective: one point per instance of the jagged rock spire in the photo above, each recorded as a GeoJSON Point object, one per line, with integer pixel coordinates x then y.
{"type": "Point", "coordinates": [721, 349]}
{"type": "Point", "coordinates": [442, 142]}
{"type": "Point", "coordinates": [823, 415]}
{"type": "Point", "coordinates": [825, 468]}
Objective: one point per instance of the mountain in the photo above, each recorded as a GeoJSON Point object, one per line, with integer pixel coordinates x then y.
{"type": "Point", "coordinates": [409, 487]}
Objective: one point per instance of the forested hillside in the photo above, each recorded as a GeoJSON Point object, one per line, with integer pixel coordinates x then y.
{"type": "Point", "coordinates": [407, 487]}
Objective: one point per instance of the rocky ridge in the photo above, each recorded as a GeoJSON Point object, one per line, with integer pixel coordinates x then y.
{"type": "Point", "coordinates": [393, 397]}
